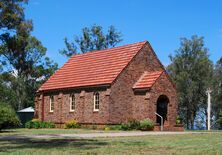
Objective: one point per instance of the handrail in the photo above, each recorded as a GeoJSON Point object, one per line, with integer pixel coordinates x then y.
{"type": "Point", "coordinates": [161, 124]}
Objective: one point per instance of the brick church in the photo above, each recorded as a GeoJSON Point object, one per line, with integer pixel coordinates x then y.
{"type": "Point", "coordinates": [109, 86]}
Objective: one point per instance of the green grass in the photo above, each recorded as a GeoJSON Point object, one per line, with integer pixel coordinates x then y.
{"type": "Point", "coordinates": [199, 143]}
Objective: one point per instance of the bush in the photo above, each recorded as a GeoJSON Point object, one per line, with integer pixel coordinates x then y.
{"type": "Point", "coordinates": [114, 127]}
{"type": "Point", "coordinates": [94, 127]}
{"type": "Point", "coordinates": [178, 120]}
{"type": "Point", "coordinates": [36, 124]}
{"type": "Point", "coordinates": [47, 125]}
{"type": "Point", "coordinates": [125, 127]}
{"type": "Point", "coordinates": [131, 125]}
{"type": "Point", "coordinates": [8, 117]}
{"type": "Point", "coordinates": [146, 125]}
{"type": "Point", "coordinates": [72, 124]}
{"type": "Point", "coordinates": [220, 120]}
{"type": "Point", "coordinates": [107, 128]}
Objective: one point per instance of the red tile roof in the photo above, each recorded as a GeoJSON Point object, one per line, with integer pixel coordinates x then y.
{"type": "Point", "coordinates": [92, 68]}
{"type": "Point", "coordinates": [147, 80]}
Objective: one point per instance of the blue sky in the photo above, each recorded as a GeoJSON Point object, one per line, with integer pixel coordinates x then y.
{"type": "Point", "coordinates": [161, 22]}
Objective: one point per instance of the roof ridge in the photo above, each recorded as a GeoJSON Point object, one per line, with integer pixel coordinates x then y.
{"type": "Point", "coordinates": [108, 49]}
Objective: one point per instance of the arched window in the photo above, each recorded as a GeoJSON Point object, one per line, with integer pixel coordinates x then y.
{"type": "Point", "coordinates": [52, 102]}
{"type": "Point", "coordinates": [72, 102]}
{"type": "Point", "coordinates": [96, 101]}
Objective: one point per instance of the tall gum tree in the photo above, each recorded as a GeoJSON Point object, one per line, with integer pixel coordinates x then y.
{"type": "Point", "coordinates": [191, 70]}
{"type": "Point", "coordinates": [23, 61]}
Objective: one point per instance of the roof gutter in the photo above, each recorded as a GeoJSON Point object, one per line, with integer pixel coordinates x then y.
{"type": "Point", "coordinates": [74, 88]}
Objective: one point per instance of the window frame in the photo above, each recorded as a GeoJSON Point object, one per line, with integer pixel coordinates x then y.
{"type": "Point", "coordinates": [96, 101]}
{"type": "Point", "coordinates": [71, 102]}
{"type": "Point", "coordinates": [51, 108]}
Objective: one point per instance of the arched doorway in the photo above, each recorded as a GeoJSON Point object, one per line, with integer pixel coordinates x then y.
{"type": "Point", "coordinates": [162, 104]}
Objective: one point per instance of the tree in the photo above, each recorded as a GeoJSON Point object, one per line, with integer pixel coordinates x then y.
{"type": "Point", "coordinates": [93, 38]}
{"type": "Point", "coordinates": [217, 90]}
{"type": "Point", "coordinates": [191, 70]}
{"type": "Point", "coordinates": [220, 120]}
{"type": "Point", "coordinates": [8, 117]}
{"type": "Point", "coordinates": [22, 57]}
{"type": "Point", "coordinates": [11, 14]}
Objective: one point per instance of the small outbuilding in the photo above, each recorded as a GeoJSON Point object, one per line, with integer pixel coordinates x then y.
{"type": "Point", "coordinates": [26, 115]}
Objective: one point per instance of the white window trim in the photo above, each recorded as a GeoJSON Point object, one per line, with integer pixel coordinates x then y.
{"type": "Point", "coordinates": [70, 103]}
{"type": "Point", "coordinates": [50, 108]}
{"type": "Point", "coordinates": [94, 98]}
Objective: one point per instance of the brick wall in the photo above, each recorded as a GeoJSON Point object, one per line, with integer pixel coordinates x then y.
{"type": "Point", "coordinates": [84, 107]}
{"type": "Point", "coordinates": [164, 87]}
{"type": "Point", "coordinates": [125, 104]}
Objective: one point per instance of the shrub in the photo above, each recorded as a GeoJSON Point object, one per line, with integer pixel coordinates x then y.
{"type": "Point", "coordinates": [125, 127]}
{"type": "Point", "coordinates": [115, 127]}
{"type": "Point", "coordinates": [130, 125]}
{"type": "Point", "coordinates": [94, 127]}
{"type": "Point", "coordinates": [178, 120]}
{"type": "Point", "coordinates": [8, 117]}
{"type": "Point", "coordinates": [220, 120]}
{"type": "Point", "coordinates": [36, 124]}
{"type": "Point", "coordinates": [146, 125]}
{"type": "Point", "coordinates": [107, 128]}
{"type": "Point", "coordinates": [72, 124]}
{"type": "Point", "coordinates": [133, 125]}
{"type": "Point", "coordinates": [47, 125]}
{"type": "Point", "coordinates": [33, 124]}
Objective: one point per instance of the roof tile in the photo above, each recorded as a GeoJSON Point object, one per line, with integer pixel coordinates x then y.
{"type": "Point", "coordinates": [147, 80]}
{"type": "Point", "coordinates": [92, 68]}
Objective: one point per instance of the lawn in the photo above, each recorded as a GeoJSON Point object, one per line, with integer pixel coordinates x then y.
{"type": "Point", "coordinates": [199, 143]}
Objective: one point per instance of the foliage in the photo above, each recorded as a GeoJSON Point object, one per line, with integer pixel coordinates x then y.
{"type": "Point", "coordinates": [130, 125]}
{"type": "Point", "coordinates": [134, 124]}
{"type": "Point", "coordinates": [94, 127]}
{"type": "Point", "coordinates": [11, 14]}
{"type": "Point", "coordinates": [36, 124]}
{"type": "Point", "coordinates": [8, 117]}
{"type": "Point", "coordinates": [112, 127]}
{"type": "Point", "coordinates": [191, 70]}
{"type": "Point", "coordinates": [93, 38]}
{"type": "Point", "coordinates": [107, 128]}
{"type": "Point", "coordinates": [178, 120]}
{"type": "Point", "coordinates": [220, 120]}
{"type": "Point", "coordinates": [217, 89]}
{"type": "Point", "coordinates": [23, 62]}
{"type": "Point", "coordinates": [146, 125]}
{"type": "Point", "coordinates": [72, 124]}
{"type": "Point", "coordinates": [125, 127]}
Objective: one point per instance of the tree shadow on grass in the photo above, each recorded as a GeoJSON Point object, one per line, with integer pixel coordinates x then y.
{"type": "Point", "coordinates": [7, 146]}
{"type": "Point", "coordinates": [7, 131]}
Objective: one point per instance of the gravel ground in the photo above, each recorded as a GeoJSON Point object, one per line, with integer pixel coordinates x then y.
{"type": "Point", "coordinates": [95, 135]}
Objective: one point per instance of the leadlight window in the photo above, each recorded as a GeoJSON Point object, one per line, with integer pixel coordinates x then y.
{"type": "Point", "coordinates": [96, 101]}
